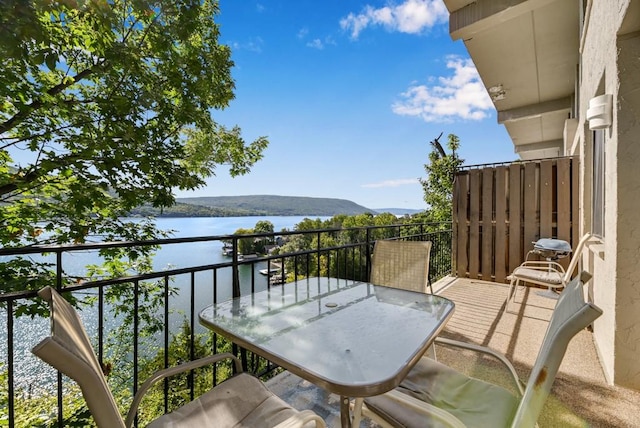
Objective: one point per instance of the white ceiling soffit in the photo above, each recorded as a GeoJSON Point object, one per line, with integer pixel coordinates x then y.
{"type": "Point", "coordinates": [530, 48]}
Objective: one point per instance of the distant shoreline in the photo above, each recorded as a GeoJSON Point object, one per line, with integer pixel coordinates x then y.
{"type": "Point", "coordinates": [262, 205]}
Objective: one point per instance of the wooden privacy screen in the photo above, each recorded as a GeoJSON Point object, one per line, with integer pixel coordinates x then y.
{"type": "Point", "coordinates": [499, 211]}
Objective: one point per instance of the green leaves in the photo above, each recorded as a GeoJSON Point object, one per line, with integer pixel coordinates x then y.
{"type": "Point", "coordinates": [110, 101]}
{"type": "Point", "coordinates": [107, 106]}
{"type": "Point", "coordinates": [438, 186]}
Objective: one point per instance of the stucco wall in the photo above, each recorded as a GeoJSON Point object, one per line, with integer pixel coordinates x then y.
{"type": "Point", "coordinates": [598, 71]}
{"type": "Point", "coordinates": [610, 64]}
{"type": "Point", "coordinates": [627, 338]}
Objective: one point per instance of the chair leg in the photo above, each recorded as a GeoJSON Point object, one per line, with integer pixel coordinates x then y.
{"type": "Point", "coordinates": [356, 406]}
{"type": "Point", "coordinates": [431, 352]}
{"type": "Point", "coordinates": [513, 290]}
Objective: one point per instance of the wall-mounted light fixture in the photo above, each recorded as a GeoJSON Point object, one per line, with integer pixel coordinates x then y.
{"type": "Point", "coordinates": [497, 92]}
{"type": "Point", "coordinates": [599, 113]}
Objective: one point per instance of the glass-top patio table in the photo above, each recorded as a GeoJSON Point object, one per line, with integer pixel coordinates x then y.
{"type": "Point", "coordinates": [351, 338]}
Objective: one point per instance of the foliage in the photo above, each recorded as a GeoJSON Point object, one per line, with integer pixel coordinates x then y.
{"type": "Point", "coordinates": [349, 262]}
{"type": "Point", "coordinates": [255, 245]}
{"type": "Point", "coordinates": [106, 106]}
{"type": "Point", "coordinates": [187, 210]}
{"type": "Point", "coordinates": [179, 386]}
{"type": "Point", "coordinates": [438, 186]}
{"type": "Point", "coordinates": [245, 245]}
{"type": "Point", "coordinates": [279, 205]}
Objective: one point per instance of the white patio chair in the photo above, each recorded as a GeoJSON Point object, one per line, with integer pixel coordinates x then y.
{"type": "Point", "coordinates": [547, 273]}
{"type": "Point", "coordinates": [241, 401]}
{"type": "Point", "coordinates": [401, 264]}
{"type": "Point", "coordinates": [434, 394]}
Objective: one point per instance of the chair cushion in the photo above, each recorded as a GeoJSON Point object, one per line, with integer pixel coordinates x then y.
{"type": "Point", "coordinates": [476, 403]}
{"type": "Point", "coordinates": [538, 275]}
{"type": "Point", "coordinates": [241, 401]}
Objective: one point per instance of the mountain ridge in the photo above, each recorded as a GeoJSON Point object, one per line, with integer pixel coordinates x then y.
{"type": "Point", "coordinates": [279, 205]}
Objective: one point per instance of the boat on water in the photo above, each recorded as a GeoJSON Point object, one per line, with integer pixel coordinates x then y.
{"type": "Point", "coordinates": [273, 269]}
{"type": "Point", "coordinates": [227, 250]}
{"type": "Point", "coordinates": [276, 279]}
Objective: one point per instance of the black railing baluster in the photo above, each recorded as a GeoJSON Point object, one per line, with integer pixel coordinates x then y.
{"type": "Point", "coordinates": [136, 330]}
{"type": "Point", "coordinates": [101, 325]}
{"type": "Point", "coordinates": [235, 275]}
{"type": "Point", "coordinates": [10, 368]}
{"type": "Point", "coordinates": [192, 327]}
{"type": "Point", "coordinates": [166, 342]}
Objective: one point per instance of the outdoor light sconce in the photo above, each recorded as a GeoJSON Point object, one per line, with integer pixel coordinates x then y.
{"type": "Point", "coordinates": [599, 113]}
{"type": "Point", "coordinates": [497, 92]}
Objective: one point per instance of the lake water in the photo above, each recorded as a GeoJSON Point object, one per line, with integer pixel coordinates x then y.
{"type": "Point", "coordinates": [28, 332]}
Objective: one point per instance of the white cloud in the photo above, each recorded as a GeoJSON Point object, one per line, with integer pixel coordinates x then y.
{"type": "Point", "coordinates": [461, 96]}
{"type": "Point", "coordinates": [392, 183]}
{"type": "Point", "coordinates": [253, 45]}
{"type": "Point", "coordinates": [410, 16]}
{"type": "Point", "coordinates": [321, 44]}
{"type": "Point", "coordinates": [304, 31]}
{"type": "Point", "coordinates": [316, 44]}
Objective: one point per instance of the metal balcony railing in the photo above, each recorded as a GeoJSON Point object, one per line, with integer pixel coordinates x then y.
{"type": "Point", "coordinates": [153, 323]}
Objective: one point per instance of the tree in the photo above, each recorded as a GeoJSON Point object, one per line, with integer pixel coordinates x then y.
{"type": "Point", "coordinates": [263, 226]}
{"type": "Point", "coordinates": [438, 186]}
{"type": "Point", "coordinates": [106, 106]}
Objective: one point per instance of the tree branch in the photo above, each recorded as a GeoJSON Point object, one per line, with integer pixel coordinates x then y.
{"type": "Point", "coordinates": [436, 145]}
{"type": "Point", "coordinates": [36, 104]}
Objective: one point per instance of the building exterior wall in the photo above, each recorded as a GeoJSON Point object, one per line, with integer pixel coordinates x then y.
{"type": "Point", "coordinates": [627, 339]}
{"type": "Point", "coordinates": [610, 63]}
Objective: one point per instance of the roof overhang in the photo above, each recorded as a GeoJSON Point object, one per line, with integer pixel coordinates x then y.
{"type": "Point", "coordinates": [526, 52]}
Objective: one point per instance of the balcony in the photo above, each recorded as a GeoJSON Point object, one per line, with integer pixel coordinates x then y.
{"type": "Point", "coordinates": [581, 394]}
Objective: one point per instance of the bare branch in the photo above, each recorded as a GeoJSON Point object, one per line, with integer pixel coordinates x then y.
{"type": "Point", "coordinates": [436, 145]}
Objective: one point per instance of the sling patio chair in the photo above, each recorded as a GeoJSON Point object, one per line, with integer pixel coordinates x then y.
{"type": "Point", "coordinates": [548, 272]}
{"type": "Point", "coordinates": [401, 264]}
{"type": "Point", "coordinates": [434, 394]}
{"type": "Point", "coordinates": [240, 401]}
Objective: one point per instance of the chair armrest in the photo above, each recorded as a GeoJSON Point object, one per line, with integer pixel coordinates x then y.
{"type": "Point", "coordinates": [541, 265]}
{"type": "Point", "coordinates": [302, 418]}
{"type": "Point", "coordinates": [170, 371]}
{"type": "Point", "coordinates": [485, 350]}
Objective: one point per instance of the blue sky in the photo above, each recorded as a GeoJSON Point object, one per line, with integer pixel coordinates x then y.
{"type": "Point", "coordinates": [349, 94]}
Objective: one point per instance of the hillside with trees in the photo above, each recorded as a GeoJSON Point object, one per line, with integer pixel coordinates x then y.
{"type": "Point", "coordinates": [278, 205]}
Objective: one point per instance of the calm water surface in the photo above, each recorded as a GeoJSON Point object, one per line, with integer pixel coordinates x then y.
{"type": "Point", "coordinates": [28, 332]}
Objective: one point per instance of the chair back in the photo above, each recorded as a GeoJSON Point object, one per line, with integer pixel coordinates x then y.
{"type": "Point", "coordinates": [401, 264]}
{"type": "Point", "coordinates": [69, 350]}
{"type": "Point", "coordinates": [571, 315]}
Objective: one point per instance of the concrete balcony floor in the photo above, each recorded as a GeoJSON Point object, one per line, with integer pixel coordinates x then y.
{"type": "Point", "coordinates": [580, 395]}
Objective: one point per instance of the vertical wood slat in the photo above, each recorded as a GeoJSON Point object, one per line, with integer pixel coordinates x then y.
{"type": "Point", "coordinates": [575, 201]}
{"type": "Point", "coordinates": [501, 224]}
{"type": "Point", "coordinates": [463, 229]}
{"type": "Point", "coordinates": [474, 223]}
{"type": "Point", "coordinates": [575, 207]}
{"type": "Point", "coordinates": [515, 236]}
{"type": "Point", "coordinates": [530, 200]}
{"type": "Point", "coordinates": [563, 167]}
{"type": "Point", "coordinates": [455, 225]}
{"type": "Point", "coordinates": [563, 174]}
{"type": "Point", "coordinates": [546, 201]}
{"type": "Point", "coordinates": [530, 204]}
{"type": "Point", "coordinates": [487, 255]}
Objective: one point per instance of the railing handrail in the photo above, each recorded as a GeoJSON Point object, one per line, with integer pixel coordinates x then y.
{"type": "Point", "coordinates": [350, 258]}
{"type": "Point", "coordinates": [54, 248]}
